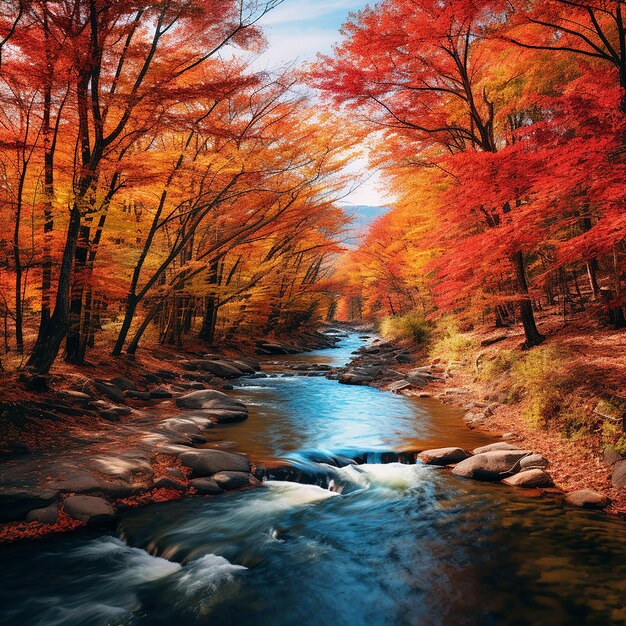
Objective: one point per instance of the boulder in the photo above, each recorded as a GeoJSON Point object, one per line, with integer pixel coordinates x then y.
{"type": "Point", "coordinates": [533, 461]}
{"type": "Point", "coordinates": [443, 456]}
{"type": "Point", "coordinates": [492, 465]}
{"type": "Point", "coordinates": [611, 455]}
{"type": "Point", "coordinates": [587, 499]}
{"type": "Point", "coordinates": [215, 367]}
{"type": "Point", "coordinates": [233, 480]}
{"type": "Point", "coordinates": [110, 391]}
{"type": "Point", "coordinates": [90, 509]}
{"type": "Point", "coordinates": [530, 478]}
{"type": "Point", "coordinates": [205, 486]}
{"type": "Point", "coordinates": [243, 367]}
{"type": "Point", "coordinates": [70, 395]}
{"type": "Point", "coordinates": [137, 395]}
{"type": "Point", "coordinates": [400, 385]}
{"type": "Point", "coordinates": [619, 474]}
{"type": "Point", "coordinates": [123, 383]}
{"type": "Point", "coordinates": [80, 481]}
{"type": "Point", "coordinates": [46, 515]}
{"type": "Point", "coordinates": [166, 482]}
{"type": "Point", "coordinates": [208, 462]}
{"type": "Point", "coordinates": [160, 394]}
{"type": "Point", "coordinates": [16, 503]}
{"type": "Point", "coordinates": [221, 407]}
{"type": "Point", "coordinates": [266, 347]}
{"type": "Point", "coordinates": [499, 445]}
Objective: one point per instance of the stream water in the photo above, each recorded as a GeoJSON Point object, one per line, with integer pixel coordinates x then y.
{"type": "Point", "coordinates": [374, 543]}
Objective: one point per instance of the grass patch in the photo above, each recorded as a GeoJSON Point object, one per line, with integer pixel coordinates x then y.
{"type": "Point", "coordinates": [450, 344]}
{"type": "Point", "coordinates": [410, 326]}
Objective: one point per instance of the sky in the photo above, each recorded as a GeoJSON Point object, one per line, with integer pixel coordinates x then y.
{"type": "Point", "coordinates": [296, 31]}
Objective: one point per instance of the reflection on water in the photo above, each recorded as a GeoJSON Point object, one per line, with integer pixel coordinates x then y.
{"type": "Point", "coordinates": [291, 412]}
{"type": "Point", "coordinates": [389, 544]}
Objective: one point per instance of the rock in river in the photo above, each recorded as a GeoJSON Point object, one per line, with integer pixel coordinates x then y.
{"type": "Point", "coordinates": [490, 465]}
{"type": "Point", "coordinates": [587, 499]}
{"type": "Point", "coordinates": [529, 478]}
{"type": "Point", "coordinates": [16, 503]}
{"type": "Point", "coordinates": [221, 407]}
{"type": "Point", "coordinates": [208, 462]}
{"type": "Point", "coordinates": [442, 456]}
{"type": "Point", "coordinates": [233, 480]}
{"type": "Point", "coordinates": [499, 445]}
{"type": "Point", "coordinates": [533, 461]}
{"type": "Point", "coordinates": [89, 509]}
{"type": "Point", "coordinates": [205, 486]}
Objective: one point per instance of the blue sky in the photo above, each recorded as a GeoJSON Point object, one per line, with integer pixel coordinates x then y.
{"type": "Point", "coordinates": [296, 31]}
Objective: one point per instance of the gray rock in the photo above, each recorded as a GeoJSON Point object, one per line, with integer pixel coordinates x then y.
{"type": "Point", "coordinates": [354, 378]}
{"type": "Point", "coordinates": [123, 465]}
{"type": "Point", "coordinates": [587, 499]}
{"type": "Point", "coordinates": [216, 367]}
{"type": "Point", "coordinates": [529, 478]}
{"type": "Point", "coordinates": [205, 486]}
{"type": "Point", "coordinates": [76, 396]}
{"type": "Point", "coordinates": [400, 385]}
{"type": "Point", "coordinates": [109, 415]}
{"type": "Point", "coordinates": [233, 480]}
{"type": "Point", "coordinates": [442, 456]}
{"type": "Point", "coordinates": [490, 465]}
{"type": "Point", "coordinates": [243, 367]}
{"type": "Point", "coordinates": [46, 515]}
{"type": "Point", "coordinates": [123, 383]}
{"type": "Point", "coordinates": [533, 461]}
{"type": "Point", "coordinates": [89, 509]}
{"type": "Point", "coordinates": [619, 474]}
{"type": "Point", "coordinates": [160, 394]}
{"type": "Point", "coordinates": [611, 455]}
{"type": "Point", "coordinates": [166, 482]}
{"type": "Point", "coordinates": [499, 445]}
{"type": "Point", "coordinates": [174, 472]}
{"type": "Point", "coordinates": [110, 391]}
{"type": "Point", "coordinates": [137, 395]}
{"type": "Point", "coordinates": [81, 481]}
{"type": "Point", "coordinates": [208, 462]}
{"type": "Point", "coordinates": [221, 407]}
{"type": "Point", "coordinates": [15, 503]}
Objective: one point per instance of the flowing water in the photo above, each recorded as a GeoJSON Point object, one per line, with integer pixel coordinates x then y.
{"type": "Point", "coordinates": [373, 543]}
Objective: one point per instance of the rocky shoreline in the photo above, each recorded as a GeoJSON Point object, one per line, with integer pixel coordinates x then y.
{"type": "Point", "coordinates": [127, 440]}
{"type": "Point", "coordinates": [146, 449]}
{"type": "Point", "coordinates": [393, 368]}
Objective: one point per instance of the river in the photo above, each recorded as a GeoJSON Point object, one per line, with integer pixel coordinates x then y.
{"type": "Point", "coordinates": [375, 543]}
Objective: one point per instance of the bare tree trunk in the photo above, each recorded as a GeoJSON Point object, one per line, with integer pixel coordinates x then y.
{"type": "Point", "coordinates": [533, 336]}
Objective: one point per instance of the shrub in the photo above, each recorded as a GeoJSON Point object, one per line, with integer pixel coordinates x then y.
{"type": "Point", "coordinates": [500, 363]}
{"type": "Point", "coordinates": [411, 326]}
{"type": "Point", "coordinates": [450, 344]}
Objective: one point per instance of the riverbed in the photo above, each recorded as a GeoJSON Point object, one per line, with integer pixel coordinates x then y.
{"type": "Point", "coordinates": [370, 543]}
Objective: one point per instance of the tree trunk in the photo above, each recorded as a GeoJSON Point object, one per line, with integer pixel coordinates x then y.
{"type": "Point", "coordinates": [533, 336]}
{"type": "Point", "coordinates": [51, 335]}
{"type": "Point", "coordinates": [73, 341]}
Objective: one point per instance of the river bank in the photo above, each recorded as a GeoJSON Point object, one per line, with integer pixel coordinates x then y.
{"type": "Point", "coordinates": [87, 442]}
{"type": "Point", "coordinates": [576, 464]}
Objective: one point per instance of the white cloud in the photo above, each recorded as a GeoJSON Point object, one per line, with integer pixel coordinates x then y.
{"type": "Point", "coordinates": [299, 11]}
{"type": "Point", "coordinates": [297, 30]}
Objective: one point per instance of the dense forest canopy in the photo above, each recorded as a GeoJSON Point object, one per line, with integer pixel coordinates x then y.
{"type": "Point", "coordinates": [154, 184]}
